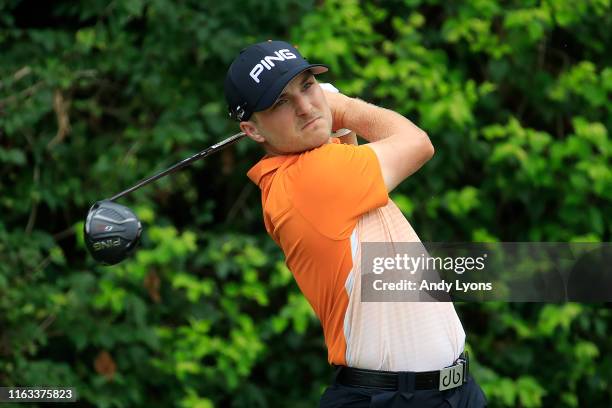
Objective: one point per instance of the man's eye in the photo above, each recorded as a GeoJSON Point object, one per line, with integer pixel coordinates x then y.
{"type": "Point", "coordinates": [307, 85]}
{"type": "Point", "coordinates": [279, 103]}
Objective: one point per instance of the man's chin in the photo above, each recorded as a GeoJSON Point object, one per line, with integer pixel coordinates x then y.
{"type": "Point", "coordinates": [323, 141]}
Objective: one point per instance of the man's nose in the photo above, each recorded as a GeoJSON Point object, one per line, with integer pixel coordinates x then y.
{"type": "Point", "coordinates": [302, 105]}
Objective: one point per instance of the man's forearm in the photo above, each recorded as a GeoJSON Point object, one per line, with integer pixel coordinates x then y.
{"type": "Point", "coordinates": [370, 121]}
{"type": "Point", "coordinates": [400, 146]}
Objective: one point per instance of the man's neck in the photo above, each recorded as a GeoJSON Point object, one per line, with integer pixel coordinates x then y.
{"type": "Point", "coordinates": [271, 152]}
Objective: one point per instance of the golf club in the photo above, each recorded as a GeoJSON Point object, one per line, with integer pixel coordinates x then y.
{"type": "Point", "coordinates": [112, 231]}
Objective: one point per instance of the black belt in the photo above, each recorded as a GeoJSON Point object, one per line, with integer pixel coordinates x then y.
{"type": "Point", "coordinates": [447, 378]}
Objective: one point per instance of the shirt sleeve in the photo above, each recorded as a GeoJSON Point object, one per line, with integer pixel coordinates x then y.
{"type": "Point", "coordinates": [335, 185]}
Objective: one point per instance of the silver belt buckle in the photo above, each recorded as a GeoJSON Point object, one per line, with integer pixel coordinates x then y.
{"type": "Point", "coordinates": [451, 377]}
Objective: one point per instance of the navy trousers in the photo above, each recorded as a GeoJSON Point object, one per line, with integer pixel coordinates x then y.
{"type": "Point", "coordinates": [468, 395]}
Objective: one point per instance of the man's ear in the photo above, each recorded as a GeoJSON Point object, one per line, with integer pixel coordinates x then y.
{"type": "Point", "coordinates": [250, 128]}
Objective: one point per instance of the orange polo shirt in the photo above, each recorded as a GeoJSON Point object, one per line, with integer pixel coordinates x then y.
{"type": "Point", "coordinates": [312, 202]}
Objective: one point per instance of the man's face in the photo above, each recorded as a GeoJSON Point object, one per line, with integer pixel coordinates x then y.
{"type": "Point", "coordinates": [299, 120]}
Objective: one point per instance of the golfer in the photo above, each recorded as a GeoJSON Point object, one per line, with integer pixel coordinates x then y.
{"type": "Point", "coordinates": [322, 197]}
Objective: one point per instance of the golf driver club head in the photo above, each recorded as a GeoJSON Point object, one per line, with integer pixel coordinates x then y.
{"type": "Point", "coordinates": [112, 232]}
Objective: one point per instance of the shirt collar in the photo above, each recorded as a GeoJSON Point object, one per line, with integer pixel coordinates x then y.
{"type": "Point", "coordinates": [267, 165]}
{"type": "Point", "coordinates": [270, 163]}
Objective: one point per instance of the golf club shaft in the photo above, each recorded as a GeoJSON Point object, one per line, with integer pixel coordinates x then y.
{"type": "Point", "coordinates": [212, 149]}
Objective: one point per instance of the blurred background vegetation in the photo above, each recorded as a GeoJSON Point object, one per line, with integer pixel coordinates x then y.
{"type": "Point", "coordinates": [96, 95]}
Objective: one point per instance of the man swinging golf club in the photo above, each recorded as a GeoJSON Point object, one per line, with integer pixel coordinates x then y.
{"type": "Point", "coordinates": [322, 198]}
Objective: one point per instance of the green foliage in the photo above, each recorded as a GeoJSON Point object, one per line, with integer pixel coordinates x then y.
{"type": "Point", "coordinates": [94, 96]}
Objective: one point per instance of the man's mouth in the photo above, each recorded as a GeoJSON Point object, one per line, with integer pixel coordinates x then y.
{"type": "Point", "coordinates": [310, 122]}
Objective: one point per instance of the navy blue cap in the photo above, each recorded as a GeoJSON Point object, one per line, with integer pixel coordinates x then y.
{"type": "Point", "coordinates": [260, 73]}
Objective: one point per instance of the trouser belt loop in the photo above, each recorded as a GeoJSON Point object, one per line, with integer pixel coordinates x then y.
{"type": "Point", "coordinates": [405, 382]}
{"type": "Point", "coordinates": [337, 370]}
{"type": "Point", "coordinates": [466, 365]}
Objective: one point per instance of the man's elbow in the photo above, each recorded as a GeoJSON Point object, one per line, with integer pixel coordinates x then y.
{"type": "Point", "coordinates": [427, 147]}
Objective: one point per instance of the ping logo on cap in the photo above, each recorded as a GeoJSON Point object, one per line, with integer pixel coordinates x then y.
{"type": "Point", "coordinates": [266, 62]}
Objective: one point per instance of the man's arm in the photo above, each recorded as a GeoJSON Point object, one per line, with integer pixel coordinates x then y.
{"type": "Point", "coordinates": [401, 147]}
{"type": "Point", "coordinates": [345, 136]}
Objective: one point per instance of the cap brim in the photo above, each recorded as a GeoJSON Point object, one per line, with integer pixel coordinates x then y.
{"type": "Point", "coordinates": [275, 90]}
